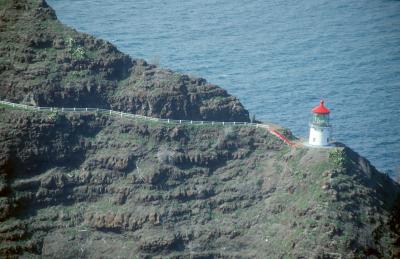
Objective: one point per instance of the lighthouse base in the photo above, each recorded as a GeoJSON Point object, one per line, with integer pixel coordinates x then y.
{"type": "Point", "coordinates": [319, 136]}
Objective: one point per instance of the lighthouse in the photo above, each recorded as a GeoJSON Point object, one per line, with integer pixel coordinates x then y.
{"type": "Point", "coordinates": [320, 128]}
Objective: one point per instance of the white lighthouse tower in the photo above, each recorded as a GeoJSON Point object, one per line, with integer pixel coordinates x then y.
{"type": "Point", "coordinates": [320, 128]}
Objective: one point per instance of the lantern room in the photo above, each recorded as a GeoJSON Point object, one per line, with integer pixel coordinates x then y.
{"type": "Point", "coordinates": [320, 115]}
{"type": "Point", "coordinates": [320, 127]}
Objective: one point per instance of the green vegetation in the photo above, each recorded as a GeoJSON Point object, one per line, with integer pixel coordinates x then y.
{"type": "Point", "coordinates": [338, 158]}
{"type": "Point", "coordinates": [321, 167]}
{"type": "Point", "coordinates": [75, 50]}
{"type": "Point", "coordinates": [4, 3]}
{"type": "Point", "coordinates": [4, 106]}
{"type": "Point", "coordinates": [87, 186]}
{"type": "Point", "coordinates": [286, 133]}
{"type": "Point", "coordinates": [140, 176]}
{"type": "Point", "coordinates": [54, 116]}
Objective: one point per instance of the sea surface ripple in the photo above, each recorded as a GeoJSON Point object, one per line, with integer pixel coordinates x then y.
{"type": "Point", "coordinates": [279, 57]}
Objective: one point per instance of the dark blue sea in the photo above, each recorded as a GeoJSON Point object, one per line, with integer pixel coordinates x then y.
{"type": "Point", "coordinates": [278, 57]}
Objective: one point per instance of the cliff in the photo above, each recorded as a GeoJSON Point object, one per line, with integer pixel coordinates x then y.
{"type": "Point", "coordinates": [45, 63]}
{"type": "Point", "coordinates": [93, 186]}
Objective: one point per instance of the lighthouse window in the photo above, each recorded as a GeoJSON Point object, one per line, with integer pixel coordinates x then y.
{"type": "Point", "coordinates": [321, 119]}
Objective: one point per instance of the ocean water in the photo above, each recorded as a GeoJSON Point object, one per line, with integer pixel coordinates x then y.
{"type": "Point", "coordinates": [278, 57]}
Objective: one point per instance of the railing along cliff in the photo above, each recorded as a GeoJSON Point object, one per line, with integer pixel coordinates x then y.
{"type": "Point", "coordinates": [137, 116]}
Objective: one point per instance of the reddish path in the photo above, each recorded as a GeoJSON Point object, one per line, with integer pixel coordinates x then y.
{"type": "Point", "coordinates": [290, 143]}
{"type": "Point", "coordinates": [271, 130]}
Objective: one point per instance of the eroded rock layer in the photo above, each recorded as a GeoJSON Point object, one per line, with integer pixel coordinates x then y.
{"type": "Point", "coordinates": [45, 63]}
{"type": "Point", "coordinates": [92, 186]}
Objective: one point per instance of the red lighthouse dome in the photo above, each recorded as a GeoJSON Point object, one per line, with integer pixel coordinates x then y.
{"type": "Point", "coordinates": [321, 109]}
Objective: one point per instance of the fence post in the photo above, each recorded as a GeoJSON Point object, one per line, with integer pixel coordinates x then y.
{"type": "Point", "coordinates": [234, 123]}
{"type": "Point", "coordinates": [257, 125]}
{"type": "Point", "coordinates": [212, 123]}
{"type": "Point", "coordinates": [74, 109]}
{"type": "Point", "coordinates": [97, 109]}
{"type": "Point", "coordinates": [121, 114]}
{"type": "Point", "coordinates": [13, 105]}
{"type": "Point", "coordinates": [191, 122]}
{"type": "Point", "coordinates": [180, 121]}
{"type": "Point", "coordinates": [202, 122]}
{"type": "Point", "coordinates": [168, 120]}
{"type": "Point", "coordinates": [223, 123]}
{"type": "Point", "coordinates": [86, 109]}
{"type": "Point", "coordinates": [62, 109]}
{"type": "Point", "coordinates": [110, 112]}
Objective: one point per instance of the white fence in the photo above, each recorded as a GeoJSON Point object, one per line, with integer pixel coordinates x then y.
{"type": "Point", "coordinates": [132, 116]}
{"type": "Point", "coordinates": [121, 114]}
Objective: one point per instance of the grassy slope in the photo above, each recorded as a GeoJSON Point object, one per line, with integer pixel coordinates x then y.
{"type": "Point", "coordinates": [41, 50]}
{"type": "Point", "coordinates": [87, 185]}
{"type": "Point", "coordinates": [184, 190]}
{"type": "Point", "coordinates": [47, 63]}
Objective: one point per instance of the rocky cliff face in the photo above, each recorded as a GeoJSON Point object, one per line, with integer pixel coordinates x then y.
{"type": "Point", "coordinates": [94, 186]}
{"type": "Point", "coordinates": [91, 186]}
{"type": "Point", "coordinates": [45, 63]}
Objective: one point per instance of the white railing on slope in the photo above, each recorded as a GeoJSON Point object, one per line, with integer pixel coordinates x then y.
{"type": "Point", "coordinates": [131, 115]}
{"type": "Point", "coordinates": [138, 116]}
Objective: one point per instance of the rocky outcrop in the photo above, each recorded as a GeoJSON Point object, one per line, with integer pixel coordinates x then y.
{"type": "Point", "coordinates": [92, 186]}
{"type": "Point", "coordinates": [167, 94]}
{"type": "Point", "coordinates": [48, 64]}
{"type": "Point", "coordinates": [106, 184]}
